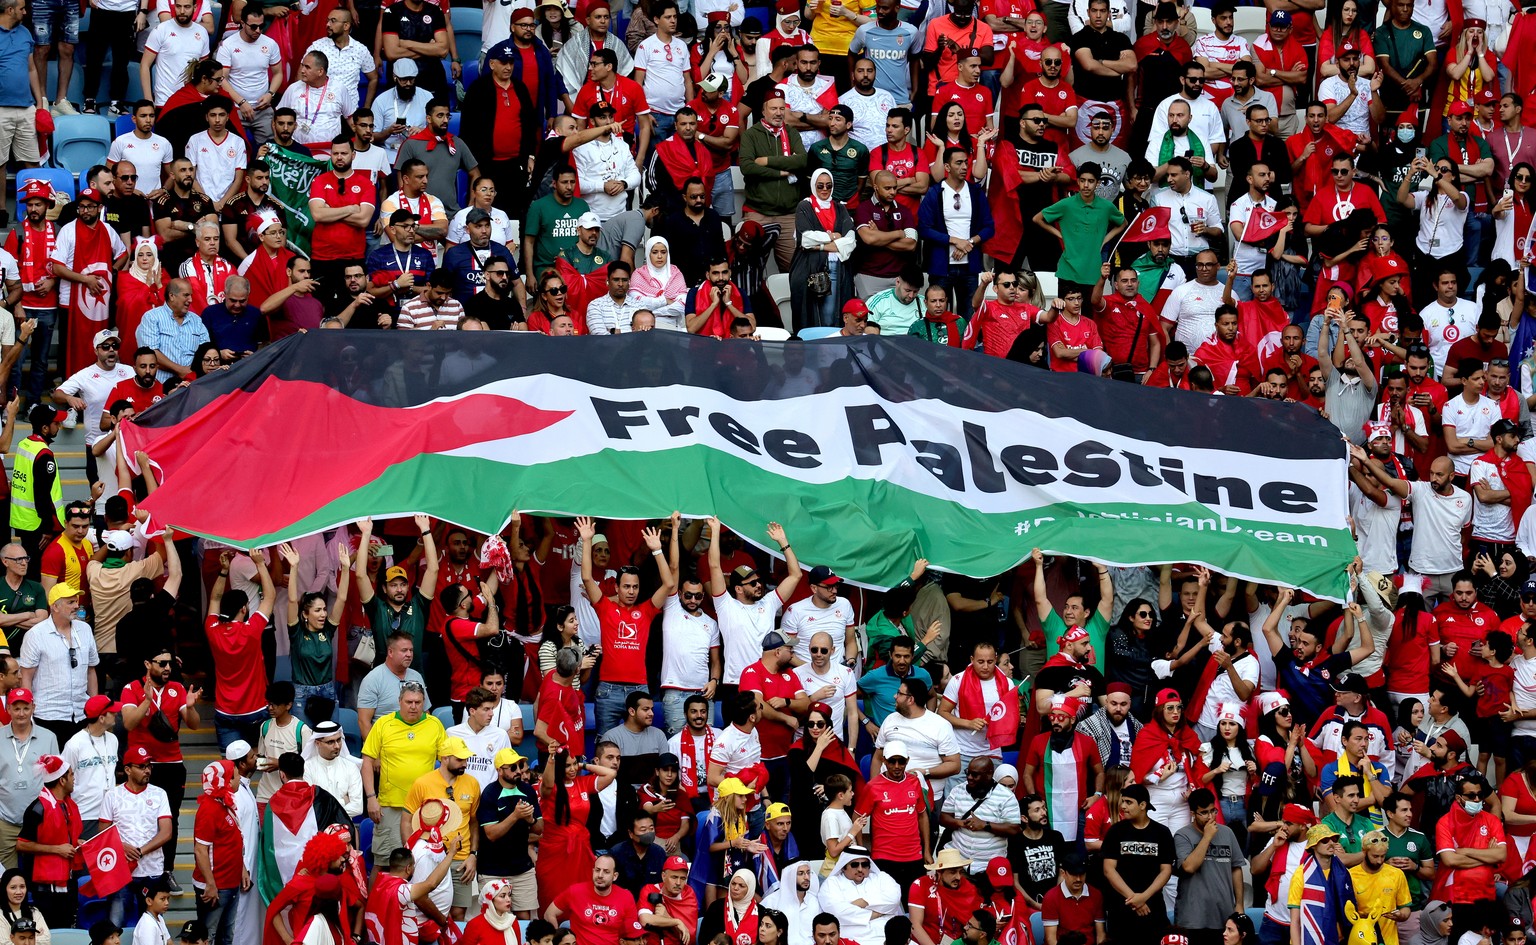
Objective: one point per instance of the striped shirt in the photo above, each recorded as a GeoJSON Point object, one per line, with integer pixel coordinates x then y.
{"type": "Point", "coordinates": [417, 314]}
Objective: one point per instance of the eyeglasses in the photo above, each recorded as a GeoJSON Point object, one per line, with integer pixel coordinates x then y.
{"type": "Point", "coordinates": [1260, 121]}
{"type": "Point", "coordinates": [1196, 79]}
{"type": "Point", "coordinates": [754, 582]}
{"type": "Point", "coordinates": [109, 345]}
{"type": "Point", "coordinates": [1050, 62]}
{"type": "Point", "coordinates": [20, 558]}
{"type": "Point", "coordinates": [1499, 362]}
{"type": "Point", "coordinates": [1205, 265]}
{"type": "Point", "coordinates": [957, 201]}
{"type": "Point", "coordinates": [821, 649]}
{"type": "Point", "coordinates": [1343, 171]}
{"type": "Point", "coordinates": [1283, 710]}
{"type": "Point", "coordinates": [555, 290]}
{"type": "Point", "coordinates": [628, 569]}
{"type": "Point", "coordinates": [860, 864]}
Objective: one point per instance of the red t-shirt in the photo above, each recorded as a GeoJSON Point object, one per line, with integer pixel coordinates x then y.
{"type": "Point", "coordinates": [240, 672]}
{"type": "Point", "coordinates": [774, 736]}
{"type": "Point", "coordinates": [976, 102]}
{"type": "Point", "coordinates": [530, 74]}
{"type": "Point", "coordinates": [1084, 334]}
{"type": "Point", "coordinates": [893, 808]}
{"type": "Point", "coordinates": [904, 165]}
{"type": "Point", "coordinates": [1406, 660]}
{"type": "Point", "coordinates": [507, 132]}
{"type": "Point", "coordinates": [339, 240]}
{"type": "Point", "coordinates": [562, 712]}
{"type": "Point", "coordinates": [141, 398]}
{"type": "Point", "coordinates": [1498, 689]}
{"type": "Point", "coordinates": [216, 827]}
{"type": "Point", "coordinates": [172, 697]}
{"type": "Point", "coordinates": [599, 920]}
{"type": "Point", "coordinates": [1053, 101]}
{"type": "Point", "coordinates": [996, 326]}
{"type": "Point", "coordinates": [1473, 347]}
{"type": "Point", "coordinates": [1464, 628]}
{"type": "Point", "coordinates": [1027, 53]}
{"type": "Point", "coordinates": [1069, 914]}
{"type": "Point", "coordinates": [465, 670]}
{"type": "Point", "coordinates": [715, 121]}
{"type": "Point", "coordinates": [626, 632]}
{"type": "Point", "coordinates": [54, 564]}
{"type": "Point", "coordinates": [627, 99]}
{"type": "Point", "coordinates": [1480, 832]}
{"type": "Point", "coordinates": [1118, 318]}
{"type": "Point", "coordinates": [975, 34]}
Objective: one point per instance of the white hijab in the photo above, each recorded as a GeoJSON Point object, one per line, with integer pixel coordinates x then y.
{"type": "Point", "coordinates": [818, 173]}
{"type": "Point", "coordinates": [663, 273]}
{"type": "Point", "coordinates": [736, 910]}
{"type": "Point", "coordinates": [798, 912]}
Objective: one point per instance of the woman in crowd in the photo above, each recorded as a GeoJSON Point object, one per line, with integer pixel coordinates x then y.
{"type": "Point", "coordinates": [548, 303]}
{"type": "Point", "coordinates": [1410, 715]}
{"type": "Point", "coordinates": [565, 849]}
{"type": "Point", "coordinates": [1131, 652]}
{"type": "Point", "coordinates": [659, 286]}
{"type": "Point", "coordinates": [663, 799]}
{"type": "Point", "coordinates": [1166, 758]}
{"type": "Point", "coordinates": [312, 635]}
{"type": "Point", "coordinates": [736, 913]}
{"type": "Point", "coordinates": [722, 846]}
{"type": "Point", "coordinates": [561, 631]}
{"type": "Point", "coordinates": [1231, 769]}
{"type": "Point", "coordinates": [820, 280]}
{"type": "Point", "coordinates": [1513, 216]}
{"type": "Point", "coordinates": [1344, 26]}
{"type": "Point", "coordinates": [140, 288]}
{"type": "Point", "coordinates": [1284, 742]}
{"type": "Point", "coordinates": [17, 905]}
{"type": "Point", "coordinates": [1498, 582]}
{"type": "Point", "coordinates": [497, 923]}
{"type": "Point", "coordinates": [822, 754]}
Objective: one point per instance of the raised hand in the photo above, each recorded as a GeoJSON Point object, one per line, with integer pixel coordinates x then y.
{"type": "Point", "coordinates": [585, 528]}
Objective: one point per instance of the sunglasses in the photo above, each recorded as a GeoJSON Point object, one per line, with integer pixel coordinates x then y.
{"type": "Point", "coordinates": [160, 662]}
{"type": "Point", "coordinates": [109, 345]}
{"type": "Point", "coordinates": [817, 724]}
{"type": "Point", "coordinates": [1342, 171]}
{"type": "Point", "coordinates": [555, 290]}
{"type": "Point", "coordinates": [693, 595]}
{"type": "Point", "coordinates": [1474, 795]}
{"type": "Point", "coordinates": [752, 583]}
{"type": "Point", "coordinates": [1144, 613]}
{"type": "Point", "coordinates": [821, 649]}
{"type": "Point", "coordinates": [1522, 178]}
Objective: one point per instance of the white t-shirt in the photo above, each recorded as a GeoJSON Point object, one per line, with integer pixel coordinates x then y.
{"type": "Point", "coordinates": [64, 252]}
{"type": "Point", "coordinates": [1192, 308]}
{"type": "Point", "coordinates": [376, 161]}
{"type": "Point", "coordinates": [388, 108]}
{"type": "Point", "coordinates": [501, 227]}
{"type": "Point", "coordinates": [174, 46]}
{"type": "Point", "coordinates": [663, 63]}
{"type": "Point", "coordinates": [803, 619]}
{"type": "Point", "coordinates": [1440, 225]}
{"type": "Point", "coordinates": [735, 749]}
{"type": "Point", "coordinates": [347, 66]}
{"type": "Point", "coordinates": [1471, 422]}
{"type": "Point", "coordinates": [250, 64]}
{"type": "Point", "coordinates": [1334, 90]}
{"type": "Point", "coordinates": [320, 110]}
{"type": "Point", "coordinates": [216, 162]}
{"type": "Point", "coordinates": [840, 678]}
{"type": "Point", "coordinates": [138, 817]}
{"type": "Point", "coordinates": [742, 628]}
{"type": "Point", "coordinates": [485, 744]}
{"type": "Point", "coordinates": [151, 930]}
{"type": "Point", "coordinates": [93, 759]}
{"type": "Point", "coordinates": [1204, 123]}
{"type": "Point", "coordinates": [1437, 524]}
{"type": "Point", "coordinates": [1376, 529]}
{"type": "Point", "coordinates": [426, 861]}
{"type": "Point", "coordinates": [973, 743]}
{"type": "Point", "coordinates": [869, 114]}
{"type": "Point", "coordinates": [1524, 692]}
{"type": "Point", "coordinates": [835, 824]}
{"type": "Point", "coordinates": [1250, 258]}
{"type": "Point", "coordinates": [1444, 327]}
{"type": "Point", "coordinates": [146, 154]}
{"type": "Point", "coordinates": [1222, 690]}
{"type": "Point", "coordinates": [1491, 521]}
{"type": "Point", "coordinates": [928, 738]}
{"type": "Point", "coordinates": [686, 640]}
{"type": "Point", "coordinates": [93, 385]}
{"type": "Point", "coordinates": [1195, 206]}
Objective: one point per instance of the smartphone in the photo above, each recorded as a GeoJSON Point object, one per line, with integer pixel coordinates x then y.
{"type": "Point", "coordinates": [384, 551]}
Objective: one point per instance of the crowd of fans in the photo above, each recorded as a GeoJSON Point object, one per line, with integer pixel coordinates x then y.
{"type": "Point", "coordinates": [655, 731]}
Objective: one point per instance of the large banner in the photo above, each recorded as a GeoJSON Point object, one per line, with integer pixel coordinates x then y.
{"type": "Point", "coordinates": [871, 452]}
{"type": "Point", "coordinates": [292, 173]}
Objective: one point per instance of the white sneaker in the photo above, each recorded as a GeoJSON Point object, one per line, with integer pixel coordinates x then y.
{"type": "Point", "coordinates": [63, 107]}
{"type": "Point", "coordinates": [70, 422]}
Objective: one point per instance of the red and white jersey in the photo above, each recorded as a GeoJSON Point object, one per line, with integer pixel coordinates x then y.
{"type": "Point", "coordinates": [820, 97]}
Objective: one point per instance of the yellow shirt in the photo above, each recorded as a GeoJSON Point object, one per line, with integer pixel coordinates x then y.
{"type": "Point", "coordinates": [466, 794]}
{"type": "Point", "coordinates": [832, 34]}
{"type": "Point", "coordinates": [1380, 892]}
{"type": "Point", "coordinates": [404, 752]}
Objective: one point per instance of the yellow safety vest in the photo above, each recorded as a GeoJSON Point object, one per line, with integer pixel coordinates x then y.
{"type": "Point", "coordinates": [24, 516]}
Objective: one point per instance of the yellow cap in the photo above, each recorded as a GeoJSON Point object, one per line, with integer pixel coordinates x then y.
{"type": "Point", "coordinates": [506, 756]}
{"type": "Point", "coordinates": [62, 591]}
{"type": "Point", "coordinates": [777, 810]}
{"type": "Point", "coordinates": [732, 786]}
{"type": "Point", "coordinates": [396, 572]}
{"type": "Point", "coordinates": [454, 746]}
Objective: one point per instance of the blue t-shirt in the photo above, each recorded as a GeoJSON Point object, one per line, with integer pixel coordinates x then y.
{"type": "Point", "coordinates": [228, 332]}
{"type": "Point", "coordinates": [385, 264]}
{"type": "Point", "coordinates": [469, 269]}
{"type": "Point", "coordinates": [879, 687]}
{"type": "Point", "coordinates": [15, 53]}
{"type": "Point", "coordinates": [891, 52]}
{"type": "Point", "coordinates": [1311, 690]}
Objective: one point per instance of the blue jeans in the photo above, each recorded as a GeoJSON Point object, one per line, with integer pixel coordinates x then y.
{"type": "Point", "coordinates": [301, 696]}
{"type": "Point", "coordinates": [724, 198]}
{"type": "Point", "coordinates": [827, 312]}
{"type": "Point", "coordinates": [125, 905]}
{"type": "Point", "coordinates": [1235, 814]}
{"type": "Point", "coordinates": [36, 377]}
{"type": "Point", "coordinates": [1242, 288]}
{"type": "Point", "coordinates": [672, 711]}
{"type": "Point", "coordinates": [232, 728]}
{"type": "Point", "coordinates": [1479, 242]}
{"type": "Point", "coordinates": [221, 916]}
{"type": "Point", "coordinates": [56, 21]}
{"type": "Point", "coordinates": [961, 286]}
{"type": "Point", "coordinates": [609, 704]}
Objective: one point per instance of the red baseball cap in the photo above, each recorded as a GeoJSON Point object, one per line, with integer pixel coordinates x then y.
{"type": "Point", "coordinates": [855, 307]}
{"type": "Point", "coordinates": [19, 695]}
{"type": "Point", "coordinates": [1000, 871]}
{"type": "Point", "coordinates": [675, 864]}
{"type": "Point", "coordinates": [1298, 814]}
{"type": "Point", "coordinates": [36, 190]}
{"type": "Point", "coordinates": [1167, 696]}
{"type": "Point", "coordinates": [138, 755]}
{"type": "Point", "coordinates": [96, 705]}
{"type": "Point", "coordinates": [1459, 108]}
{"type": "Point", "coordinates": [1486, 97]}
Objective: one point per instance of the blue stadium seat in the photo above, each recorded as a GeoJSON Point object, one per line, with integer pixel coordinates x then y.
{"type": "Point", "coordinates": [80, 141]}
{"type": "Point", "coordinates": [1037, 927]}
{"type": "Point", "coordinates": [529, 746]}
{"type": "Point", "coordinates": [813, 333]}
{"type": "Point", "coordinates": [61, 179]}
{"type": "Point", "coordinates": [71, 936]}
{"type": "Point", "coordinates": [864, 763]}
{"type": "Point", "coordinates": [467, 22]}
{"type": "Point", "coordinates": [462, 178]}
{"type": "Point", "coordinates": [1256, 916]}
{"type": "Point", "coordinates": [123, 125]}
{"type": "Point", "coordinates": [444, 714]}
{"type": "Point", "coordinates": [350, 730]}
{"type": "Point", "coordinates": [454, 121]}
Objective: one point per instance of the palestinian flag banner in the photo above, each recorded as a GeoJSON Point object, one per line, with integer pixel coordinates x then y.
{"type": "Point", "coordinates": [296, 812]}
{"type": "Point", "coordinates": [871, 451]}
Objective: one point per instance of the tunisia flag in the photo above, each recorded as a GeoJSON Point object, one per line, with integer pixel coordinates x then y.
{"type": "Point", "coordinates": [106, 864]}
{"type": "Point", "coordinates": [1261, 225]}
{"type": "Point", "coordinates": [1150, 224]}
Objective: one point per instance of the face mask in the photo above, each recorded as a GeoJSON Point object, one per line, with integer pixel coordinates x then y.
{"type": "Point", "coordinates": [1405, 135]}
{"type": "Point", "coordinates": [646, 839]}
{"type": "Point", "coordinates": [1473, 807]}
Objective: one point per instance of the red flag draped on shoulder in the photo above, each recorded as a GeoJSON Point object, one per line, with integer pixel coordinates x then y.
{"type": "Point", "coordinates": [105, 863]}
{"type": "Point", "coordinates": [1261, 225]}
{"type": "Point", "coordinates": [1150, 224]}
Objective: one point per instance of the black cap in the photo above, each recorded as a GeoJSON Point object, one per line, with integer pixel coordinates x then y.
{"type": "Point", "coordinates": [102, 930]}
{"type": "Point", "coordinates": [194, 930]}
{"type": "Point", "coordinates": [1138, 792]}
{"type": "Point", "coordinates": [23, 924]}
{"type": "Point", "coordinates": [1074, 864]}
{"type": "Point", "coordinates": [1351, 682]}
{"type": "Point", "coordinates": [1165, 11]}
{"type": "Point", "coordinates": [772, 641]}
{"type": "Point", "coordinates": [1502, 426]}
{"type": "Point", "coordinates": [403, 215]}
{"type": "Point", "coordinates": [667, 760]}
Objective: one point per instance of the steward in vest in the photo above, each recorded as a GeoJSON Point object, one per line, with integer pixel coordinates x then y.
{"type": "Point", "coordinates": [37, 492]}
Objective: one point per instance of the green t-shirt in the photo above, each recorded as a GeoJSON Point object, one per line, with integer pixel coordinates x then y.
{"type": "Point", "coordinates": [1350, 834]}
{"type": "Point", "coordinates": [1416, 847]}
{"type": "Point", "coordinates": [312, 655]}
{"type": "Point", "coordinates": [1083, 226]}
{"type": "Point", "coordinates": [847, 164]}
{"type": "Point", "coordinates": [581, 262]}
{"type": "Point", "coordinates": [554, 230]}
{"type": "Point", "coordinates": [1403, 47]}
{"type": "Point", "coordinates": [1097, 627]}
{"type": "Point", "coordinates": [937, 332]}
{"type": "Point", "coordinates": [412, 618]}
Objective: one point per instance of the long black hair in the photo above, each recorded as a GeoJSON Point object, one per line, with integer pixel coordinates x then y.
{"type": "Point", "coordinates": [552, 624]}
{"type": "Point", "coordinates": [25, 912]}
{"type": "Point", "coordinates": [562, 795]}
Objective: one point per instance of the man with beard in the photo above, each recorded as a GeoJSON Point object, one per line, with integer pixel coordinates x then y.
{"type": "Point", "coordinates": [1067, 673]}
{"type": "Point", "coordinates": [1304, 667]}
{"type": "Point", "coordinates": [1074, 614]}
{"type": "Point", "coordinates": [939, 904]}
{"type": "Point", "coordinates": [494, 303]}
{"type": "Point", "coordinates": [398, 109]}
{"type": "Point", "coordinates": [982, 816]}
{"type": "Point", "coordinates": [1060, 766]}
{"type": "Point", "coordinates": [669, 909]}
{"type": "Point", "coordinates": [1501, 487]}
{"type": "Point", "coordinates": [1230, 358]}
{"type": "Point", "coordinates": [1036, 170]}
{"type": "Point", "coordinates": [509, 815]}
{"type": "Point", "coordinates": [240, 239]}
{"type": "Point", "coordinates": [177, 213]}
{"type": "Point", "coordinates": [625, 623]}
{"type": "Point", "coordinates": [1210, 863]}
{"type": "Point", "coordinates": [451, 783]}
{"type": "Point", "coordinates": [860, 899]}
{"type": "Point", "coordinates": [899, 830]}
{"type": "Point", "coordinates": [467, 261]}
{"type": "Point", "coordinates": [693, 743]}
{"type": "Point", "coordinates": [869, 104]}
{"type": "Point", "coordinates": [332, 769]}
{"type": "Point", "coordinates": [170, 702]}
{"type": "Point", "coordinates": [89, 391]}
{"type": "Point", "coordinates": [1377, 511]}
{"type": "Point", "coordinates": [1129, 330]}
{"type": "Point", "coordinates": [1040, 849]}
{"type": "Point", "coordinates": [341, 203]}
{"type": "Point", "coordinates": [1112, 727]}
{"type": "Point", "coordinates": [1100, 149]}
{"type": "Point", "coordinates": [1350, 376]}
{"type": "Point", "coordinates": [1381, 888]}
{"type": "Point", "coordinates": [84, 257]}
{"type": "Point", "coordinates": [1230, 676]}
{"type": "Point", "coordinates": [126, 210]}
{"type": "Point", "coordinates": [693, 228]}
